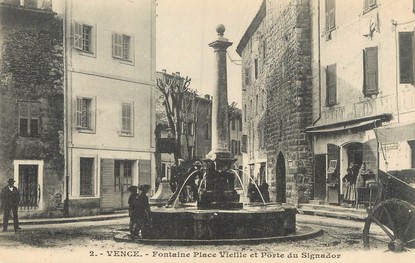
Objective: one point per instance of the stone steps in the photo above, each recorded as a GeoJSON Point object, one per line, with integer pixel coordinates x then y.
{"type": "Point", "coordinates": [333, 211]}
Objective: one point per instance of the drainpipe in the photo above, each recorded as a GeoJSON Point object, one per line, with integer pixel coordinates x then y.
{"type": "Point", "coordinates": [319, 95]}
{"type": "Point", "coordinates": [65, 110]}
{"type": "Point", "coordinates": [319, 64]}
{"type": "Point", "coordinates": [395, 27]}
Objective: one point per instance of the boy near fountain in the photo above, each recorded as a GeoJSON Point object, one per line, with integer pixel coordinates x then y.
{"type": "Point", "coordinates": [143, 212]}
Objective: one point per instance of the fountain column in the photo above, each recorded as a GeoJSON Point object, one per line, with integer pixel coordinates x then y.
{"type": "Point", "coordinates": [219, 192]}
{"type": "Point", "coordinates": [220, 121]}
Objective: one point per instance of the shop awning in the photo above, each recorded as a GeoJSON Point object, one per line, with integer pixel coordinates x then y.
{"type": "Point", "coordinates": [342, 128]}
{"type": "Point", "coordinates": [395, 133]}
{"type": "Point", "coordinates": [349, 124]}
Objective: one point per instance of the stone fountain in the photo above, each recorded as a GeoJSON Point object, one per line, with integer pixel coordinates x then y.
{"type": "Point", "coordinates": [218, 215]}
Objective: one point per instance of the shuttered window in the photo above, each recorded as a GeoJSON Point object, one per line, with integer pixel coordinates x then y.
{"type": "Point", "coordinates": [127, 118]}
{"type": "Point", "coordinates": [330, 14]}
{"type": "Point", "coordinates": [370, 62]}
{"type": "Point", "coordinates": [247, 70]}
{"type": "Point", "coordinates": [406, 67]}
{"type": "Point", "coordinates": [369, 4]}
{"type": "Point", "coordinates": [29, 115]}
{"type": "Point", "coordinates": [121, 46]}
{"type": "Point", "coordinates": [244, 143]}
{"type": "Point", "coordinates": [83, 113]}
{"type": "Point", "coordinates": [331, 83]}
{"type": "Point", "coordinates": [82, 37]}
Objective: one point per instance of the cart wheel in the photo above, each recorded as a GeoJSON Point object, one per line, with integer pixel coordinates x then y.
{"type": "Point", "coordinates": [394, 225]}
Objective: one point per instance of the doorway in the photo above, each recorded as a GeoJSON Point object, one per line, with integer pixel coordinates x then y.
{"type": "Point", "coordinates": [280, 179]}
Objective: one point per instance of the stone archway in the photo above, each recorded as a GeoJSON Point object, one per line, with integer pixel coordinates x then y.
{"type": "Point", "coordinates": [281, 179]}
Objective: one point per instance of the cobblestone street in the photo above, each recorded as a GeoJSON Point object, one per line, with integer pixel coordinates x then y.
{"type": "Point", "coordinates": [88, 241]}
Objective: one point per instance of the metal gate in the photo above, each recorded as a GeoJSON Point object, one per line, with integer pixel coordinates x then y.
{"type": "Point", "coordinates": [29, 187]}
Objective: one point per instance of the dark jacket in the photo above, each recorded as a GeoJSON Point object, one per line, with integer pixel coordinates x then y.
{"type": "Point", "coordinates": [133, 205]}
{"type": "Point", "coordinates": [9, 198]}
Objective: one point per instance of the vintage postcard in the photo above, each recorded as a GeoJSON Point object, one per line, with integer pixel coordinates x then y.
{"type": "Point", "coordinates": [207, 131]}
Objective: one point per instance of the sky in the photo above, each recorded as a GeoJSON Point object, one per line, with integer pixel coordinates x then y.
{"type": "Point", "coordinates": [184, 28]}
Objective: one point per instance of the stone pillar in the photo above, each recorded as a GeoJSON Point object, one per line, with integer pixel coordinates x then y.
{"type": "Point", "coordinates": [220, 122]}
{"type": "Point", "coordinates": [220, 192]}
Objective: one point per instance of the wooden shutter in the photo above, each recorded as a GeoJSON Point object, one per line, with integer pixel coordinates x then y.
{"type": "Point", "coordinates": [117, 45]}
{"type": "Point", "coordinates": [77, 36]}
{"type": "Point", "coordinates": [330, 14]}
{"type": "Point", "coordinates": [406, 57]}
{"type": "Point", "coordinates": [331, 84]}
{"type": "Point", "coordinates": [370, 56]}
{"type": "Point", "coordinates": [78, 114]}
{"type": "Point", "coordinates": [244, 143]}
{"type": "Point", "coordinates": [144, 167]}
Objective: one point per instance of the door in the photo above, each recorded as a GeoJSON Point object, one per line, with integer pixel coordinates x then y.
{"type": "Point", "coordinates": [333, 176]}
{"type": "Point", "coordinates": [320, 176]}
{"type": "Point", "coordinates": [280, 179]}
{"type": "Point", "coordinates": [123, 174]}
{"type": "Point", "coordinates": [109, 199]}
{"type": "Point", "coordinates": [28, 186]}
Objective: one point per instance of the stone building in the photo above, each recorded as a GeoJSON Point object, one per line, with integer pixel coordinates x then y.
{"type": "Point", "coordinates": [31, 104]}
{"type": "Point", "coordinates": [276, 91]}
{"type": "Point", "coordinates": [359, 89]}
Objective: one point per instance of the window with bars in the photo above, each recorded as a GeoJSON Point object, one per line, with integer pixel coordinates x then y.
{"type": "Point", "coordinates": [121, 46]}
{"type": "Point", "coordinates": [330, 15]}
{"type": "Point", "coordinates": [86, 177]}
{"type": "Point", "coordinates": [370, 66]}
{"type": "Point", "coordinates": [127, 120]}
{"type": "Point", "coordinates": [406, 60]}
{"type": "Point", "coordinates": [84, 113]}
{"type": "Point", "coordinates": [29, 115]}
{"type": "Point", "coordinates": [83, 37]}
{"type": "Point", "coordinates": [331, 85]}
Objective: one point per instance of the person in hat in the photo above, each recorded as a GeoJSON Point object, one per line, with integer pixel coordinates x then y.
{"type": "Point", "coordinates": [143, 209]}
{"type": "Point", "coordinates": [10, 198]}
{"type": "Point", "coordinates": [133, 210]}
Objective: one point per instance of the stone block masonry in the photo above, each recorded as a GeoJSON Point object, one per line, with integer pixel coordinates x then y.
{"type": "Point", "coordinates": [32, 71]}
{"type": "Point", "coordinates": [289, 89]}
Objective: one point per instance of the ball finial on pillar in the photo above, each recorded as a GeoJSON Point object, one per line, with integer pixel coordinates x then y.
{"type": "Point", "coordinates": [220, 29]}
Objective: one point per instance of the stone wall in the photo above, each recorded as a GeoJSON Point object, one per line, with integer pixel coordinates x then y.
{"type": "Point", "coordinates": [288, 85]}
{"type": "Point", "coordinates": [32, 69]}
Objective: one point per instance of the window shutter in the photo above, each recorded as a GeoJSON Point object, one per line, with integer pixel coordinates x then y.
{"type": "Point", "coordinates": [23, 109]}
{"type": "Point", "coordinates": [78, 112]}
{"type": "Point", "coordinates": [77, 36]}
{"type": "Point", "coordinates": [327, 15]}
{"type": "Point", "coordinates": [331, 85]}
{"type": "Point", "coordinates": [406, 57]}
{"type": "Point", "coordinates": [117, 45]}
{"type": "Point", "coordinates": [244, 143]}
{"type": "Point", "coordinates": [371, 71]}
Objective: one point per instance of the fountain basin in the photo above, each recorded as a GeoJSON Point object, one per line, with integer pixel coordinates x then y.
{"type": "Point", "coordinates": [248, 222]}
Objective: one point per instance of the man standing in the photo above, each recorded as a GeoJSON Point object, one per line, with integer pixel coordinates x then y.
{"type": "Point", "coordinates": [10, 201]}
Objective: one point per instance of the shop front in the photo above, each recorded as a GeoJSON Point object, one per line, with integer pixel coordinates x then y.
{"type": "Point", "coordinates": [346, 161]}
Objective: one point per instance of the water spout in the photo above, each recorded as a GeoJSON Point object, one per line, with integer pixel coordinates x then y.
{"type": "Point", "coordinates": [240, 181]}
{"type": "Point", "coordinates": [256, 186]}
{"type": "Point", "coordinates": [183, 185]}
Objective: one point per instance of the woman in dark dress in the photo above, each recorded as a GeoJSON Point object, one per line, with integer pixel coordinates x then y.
{"type": "Point", "coordinates": [143, 210]}
{"type": "Point", "coordinates": [350, 181]}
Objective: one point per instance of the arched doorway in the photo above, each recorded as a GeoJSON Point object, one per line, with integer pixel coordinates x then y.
{"type": "Point", "coordinates": [280, 179]}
